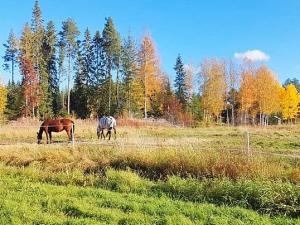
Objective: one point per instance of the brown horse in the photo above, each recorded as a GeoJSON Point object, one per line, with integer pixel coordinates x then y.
{"type": "Point", "coordinates": [57, 125]}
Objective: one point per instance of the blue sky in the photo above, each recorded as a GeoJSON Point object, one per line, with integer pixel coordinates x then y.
{"type": "Point", "coordinates": [196, 29]}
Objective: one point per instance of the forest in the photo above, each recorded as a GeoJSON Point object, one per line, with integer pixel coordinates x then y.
{"type": "Point", "coordinates": [68, 72]}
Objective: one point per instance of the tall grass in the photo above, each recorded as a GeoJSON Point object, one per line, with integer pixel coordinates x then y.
{"type": "Point", "coordinates": [155, 163]}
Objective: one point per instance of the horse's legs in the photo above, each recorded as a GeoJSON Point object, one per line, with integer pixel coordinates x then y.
{"type": "Point", "coordinates": [50, 136]}
{"type": "Point", "coordinates": [98, 132]}
{"type": "Point", "coordinates": [102, 134]}
{"type": "Point", "coordinates": [115, 131]}
{"type": "Point", "coordinates": [108, 133]}
{"type": "Point", "coordinates": [69, 134]}
{"type": "Point", "coordinates": [47, 135]}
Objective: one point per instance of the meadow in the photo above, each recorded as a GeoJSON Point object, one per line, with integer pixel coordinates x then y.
{"type": "Point", "coordinates": [153, 173]}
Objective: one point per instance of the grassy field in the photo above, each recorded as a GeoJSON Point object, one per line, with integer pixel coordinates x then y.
{"type": "Point", "coordinates": [151, 174]}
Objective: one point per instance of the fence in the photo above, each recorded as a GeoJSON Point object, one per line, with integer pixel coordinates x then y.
{"type": "Point", "coordinates": [155, 136]}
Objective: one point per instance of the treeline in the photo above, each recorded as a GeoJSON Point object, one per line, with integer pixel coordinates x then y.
{"type": "Point", "coordinates": [106, 74]}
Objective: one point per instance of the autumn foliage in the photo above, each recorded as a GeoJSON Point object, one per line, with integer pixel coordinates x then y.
{"type": "Point", "coordinates": [32, 89]}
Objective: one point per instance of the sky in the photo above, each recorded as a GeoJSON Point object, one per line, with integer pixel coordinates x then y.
{"type": "Point", "coordinates": [265, 31]}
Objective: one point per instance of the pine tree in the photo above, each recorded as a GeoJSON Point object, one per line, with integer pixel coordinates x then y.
{"type": "Point", "coordinates": [68, 42]}
{"type": "Point", "coordinates": [11, 54]}
{"type": "Point", "coordinates": [112, 49]}
{"type": "Point", "coordinates": [180, 84]}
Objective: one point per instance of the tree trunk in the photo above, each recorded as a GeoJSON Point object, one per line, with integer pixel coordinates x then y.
{"type": "Point", "coordinates": [109, 94]}
{"type": "Point", "coordinates": [12, 71]}
{"type": "Point", "coordinates": [117, 87]}
{"type": "Point", "coordinates": [232, 115]}
{"type": "Point", "coordinates": [145, 96]}
{"type": "Point", "coordinates": [227, 115]}
{"type": "Point", "coordinates": [69, 80]}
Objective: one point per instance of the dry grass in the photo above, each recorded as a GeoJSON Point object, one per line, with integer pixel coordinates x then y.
{"type": "Point", "coordinates": [157, 151]}
{"type": "Point", "coordinates": [152, 163]}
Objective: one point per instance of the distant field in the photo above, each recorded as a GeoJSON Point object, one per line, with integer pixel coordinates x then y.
{"type": "Point", "coordinates": [276, 139]}
{"type": "Point", "coordinates": [151, 174]}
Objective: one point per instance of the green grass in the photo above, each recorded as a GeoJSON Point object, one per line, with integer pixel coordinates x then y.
{"type": "Point", "coordinates": [151, 175]}
{"type": "Point", "coordinates": [27, 201]}
{"type": "Point", "coordinates": [263, 196]}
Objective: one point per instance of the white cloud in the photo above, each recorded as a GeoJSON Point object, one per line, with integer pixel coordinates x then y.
{"type": "Point", "coordinates": [252, 55]}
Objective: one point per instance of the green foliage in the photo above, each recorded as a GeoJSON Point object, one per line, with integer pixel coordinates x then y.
{"type": "Point", "coordinates": [180, 87]}
{"type": "Point", "coordinates": [11, 54]}
{"type": "Point", "coordinates": [69, 204]}
{"type": "Point", "coordinates": [15, 101]}
{"type": "Point", "coordinates": [293, 81]}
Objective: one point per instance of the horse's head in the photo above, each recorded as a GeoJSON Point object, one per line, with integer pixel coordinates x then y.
{"type": "Point", "coordinates": [39, 137]}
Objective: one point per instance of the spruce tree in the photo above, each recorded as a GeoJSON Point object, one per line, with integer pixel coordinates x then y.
{"type": "Point", "coordinates": [180, 88]}
{"type": "Point", "coordinates": [84, 70]}
{"type": "Point", "coordinates": [129, 71]}
{"type": "Point", "coordinates": [98, 61]}
{"type": "Point", "coordinates": [50, 59]}
{"type": "Point", "coordinates": [98, 82]}
{"type": "Point", "coordinates": [11, 54]}
{"type": "Point", "coordinates": [79, 92]}
{"type": "Point", "coordinates": [15, 101]}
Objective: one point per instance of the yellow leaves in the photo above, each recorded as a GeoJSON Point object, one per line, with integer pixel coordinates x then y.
{"type": "Point", "coordinates": [289, 102]}
{"type": "Point", "coordinates": [247, 94]}
{"type": "Point", "coordinates": [268, 91]}
{"type": "Point", "coordinates": [214, 86]}
{"type": "Point", "coordinates": [149, 69]}
{"type": "Point", "coordinates": [259, 91]}
{"type": "Point", "coordinates": [3, 99]}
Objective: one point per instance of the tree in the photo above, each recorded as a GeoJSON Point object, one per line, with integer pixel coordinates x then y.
{"type": "Point", "coordinates": [189, 85]}
{"type": "Point", "coordinates": [149, 71]}
{"type": "Point", "coordinates": [32, 90]}
{"type": "Point", "coordinates": [3, 100]}
{"type": "Point", "coordinates": [15, 101]}
{"type": "Point", "coordinates": [181, 91]}
{"type": "Point", "coordinates": [68, 42]}
{"type": "Point", "coordinates": [213, 88]}
{"type": "Point", "coordinates": [129, 69]}
{"type": "Point", "coordinates": [98, 102]}
{"type": "Point", "coordinates": [11, 54]}
{"type": "Point", "coordinates": [289, 102]}
{"type": "Point", "coordinates": [293, 81]}
{"type": "Point", "coordinates": [247, 94]}
{"type": "Point", "coordinates": [84, 71]}
{"type": "Point", "coordinates": [232, 79]}
{"type": "Point", "coordinates": [112, 49]}
{"type": "Point", "coordinates": [50, 59]}
{"type": "Point", "coordinates": [267, 93]}
{"type": "Point", "coordinates": [26, 42]}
